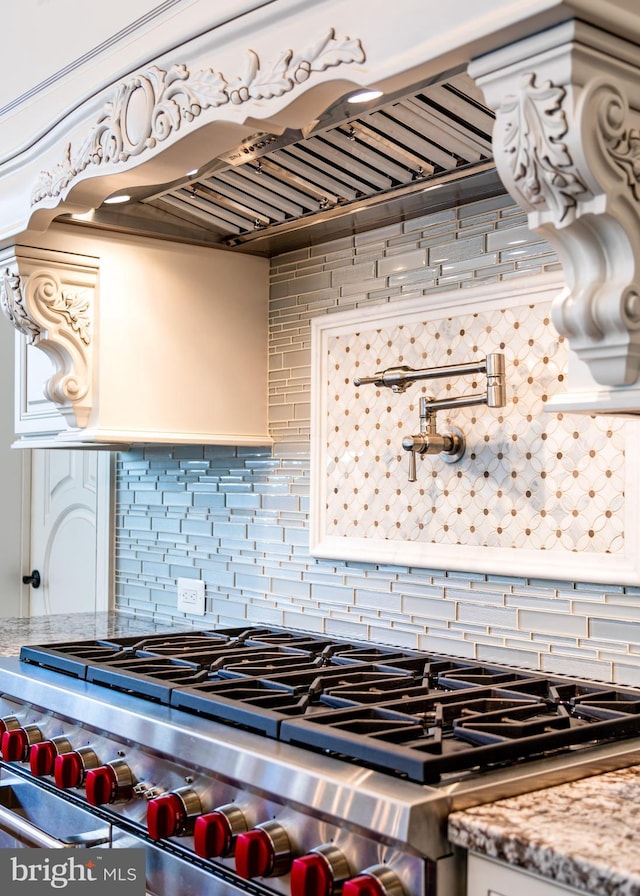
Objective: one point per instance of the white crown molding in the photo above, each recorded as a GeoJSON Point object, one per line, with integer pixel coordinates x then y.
{"type": "Point", "coordinates": [155, 103]}
{"type": "Point", "coordinates": [50, 298]}
{"type": "Point", "coordinates": [567, 147]}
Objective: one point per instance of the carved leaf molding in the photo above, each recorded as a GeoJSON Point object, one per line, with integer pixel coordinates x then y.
{"type": "Point", "coordinates": [76, 309]}
{"type": "Point", "coordinates": [534, 124]}
{"type": "Point", "coordinates": [14, 307]}
{"type": "Point", "coordinates": [626, 154]}
{"type": "Point", "coordinates": [175, 97]}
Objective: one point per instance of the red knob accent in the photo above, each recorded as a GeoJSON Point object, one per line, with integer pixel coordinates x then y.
{"type": "Point", "coordinates": [254, 854]}
{"type": "Point", "coordinates": [15, 745]}
{"type": "Point", "coordinates": [212, 835]}
{"type": "Point", "coordinates": [165, 816]}
{"type": "Point", "coordinates": [101, 785]}
{"type": "Point", "coordinates": [363, 885]}
{"type": "Point", "coordinates": [42, 757]}
{"type": "Point", "coordinates": [68, 770]}
{"type": "Point", "coordinates": [311, 876]}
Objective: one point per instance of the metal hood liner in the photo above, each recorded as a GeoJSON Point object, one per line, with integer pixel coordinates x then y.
{"type": "Point", "coordinates": [355, 168]}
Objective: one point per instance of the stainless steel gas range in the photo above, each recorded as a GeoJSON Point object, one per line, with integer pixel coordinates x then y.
{"type": "Point", "coordinates": [264, 761]}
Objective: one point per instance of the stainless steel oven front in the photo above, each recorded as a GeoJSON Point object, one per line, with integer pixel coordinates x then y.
{"type": "Point", "coordinates": [279, 764]}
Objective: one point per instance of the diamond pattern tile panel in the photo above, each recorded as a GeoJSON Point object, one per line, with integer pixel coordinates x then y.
{"type": "Point", "coordinates": [528, 479]}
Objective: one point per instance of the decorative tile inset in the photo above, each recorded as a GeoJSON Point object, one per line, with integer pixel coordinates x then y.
{"type": "Point", "coordinates": [529, 480]}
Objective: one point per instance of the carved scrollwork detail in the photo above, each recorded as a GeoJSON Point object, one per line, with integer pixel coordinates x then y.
{"type": "Point", "coordinates": [74, 307]}
{"type": "Point", "coordinates": [534, 125]}
{"type": "Point", "coordinates": [156, 103]}
{"type": "Point", "coordinates": [49, 297]}
{"type": "Point", "coordinates": [621, 142]}
{"type": "Point", "coordinates": [13, 305]}
{"type": "Point", "coordinates": [625, 152]}
{"type": "Point", "coordinates": [64, 316]}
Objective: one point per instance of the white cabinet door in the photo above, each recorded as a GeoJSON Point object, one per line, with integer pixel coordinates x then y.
{"type": "Point", "coordinates": [70, 544]}
{"type": "Point", "coordinates": [486, 877]}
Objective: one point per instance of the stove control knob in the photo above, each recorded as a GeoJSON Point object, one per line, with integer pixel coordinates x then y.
{"type": "Point", "coordinates": [110, 783]}
{"type": "Point", "coordinates": [264, 851]}
{"type": "Point", "coordinates": [214, 833]}
{"type": "Point", "coordinates": [172, 813]}
{"type": "Point", "coordinates": [378, 880]}
{"type": "Point", "coordinates": [320, 872]}
{"type": "Point", "coordinates": [42, 755]}
{"type": "Point", "coordinates": [8, 723]}
{"type": "Point", "coordinates": [69, 769]}
{"type": "Point", "coordinates": [17, 741]}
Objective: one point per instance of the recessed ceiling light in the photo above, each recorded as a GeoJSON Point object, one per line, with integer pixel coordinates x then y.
{"type": "Point", "coordinates": [363, 96]}
{"type": "Point", "coordinates": [114, 200]}
{"type": "Point", "coordinates": [193, 172]}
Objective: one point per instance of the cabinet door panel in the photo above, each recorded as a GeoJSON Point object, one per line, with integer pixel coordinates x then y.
{"type": "Point", "coordinates": [486, 877]}
{"type": "Point", "coordinates": [34, 412]}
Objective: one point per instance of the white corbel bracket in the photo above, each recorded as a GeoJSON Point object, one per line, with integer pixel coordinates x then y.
{"type": "Point", "coordinates": [567, 147]}
{"type": "Point", "coordinates": [50, 296]}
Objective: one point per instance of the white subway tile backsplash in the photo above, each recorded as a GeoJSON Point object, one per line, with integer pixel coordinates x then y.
{"type": "Point", "coordinates": [498, 653]}
{"type": "Point", "coordinates": [363, 272]}
{"type": "Point", "coordinates": [571, 665]}
{"type": "Point", "coordinates": [510, 237]}
{"type": "Point", "coordinates": [449, 644]}
{"type": "Point", "coordinates": [378, 236]}
{"type": "Point", "coordinates": [383, 601]}
{"type": "Point", "coordinates": [427, 608]}
{"type": "Point", "coordinates": [457, 250]}
{"type": "Point", "coordinates": [629, 612]}
{"type": "Point", "coordinates": [346, 628]}
{"type": "Point", "coordinates": [624, 672]}
{"type": "Point", "coordinates": [614, 630]}
{"type": "Point", "coordinates": [487, 615]}
{"type": "Point", "coordinates": [394, 635]}
{"type": "Point", "coordinates": [238, 518]}
{"type": "Point", "coordinates": [433, 220]}
{"type": "Point", "coordinates": [399, 262]}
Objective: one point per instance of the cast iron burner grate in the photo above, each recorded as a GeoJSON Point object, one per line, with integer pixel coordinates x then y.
{"type": "Point", "coordinates": [424, 738]}
{"type": "Point", "coordinates": [75, 657]}
{"type": "Point", "coordinates": [261, 704]}
{"type": "Point", "coordinates": [155, 677]}
{"type": "Point", "coordinates": [415, 715]}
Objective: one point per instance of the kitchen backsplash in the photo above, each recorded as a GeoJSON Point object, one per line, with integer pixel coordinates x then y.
{"type": "Point", "coordinates": [534, 493]}
{"type": "Point", "coordinates": [239, 518]}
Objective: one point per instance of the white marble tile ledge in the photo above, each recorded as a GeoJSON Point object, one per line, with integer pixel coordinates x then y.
{"type": "Point", "coordinates": [584, 834]}
{"type": "Point", "coordinates": [16, 631]}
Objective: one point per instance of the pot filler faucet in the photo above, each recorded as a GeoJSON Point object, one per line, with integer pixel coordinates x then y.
{"type": "Point", "coordinates": [450, 444]}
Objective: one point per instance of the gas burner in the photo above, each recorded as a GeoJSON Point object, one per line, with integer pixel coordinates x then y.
{"type": "Point", "coordinates": [425, 737]}
{"type": "Point", "coordinates": [407, 713]}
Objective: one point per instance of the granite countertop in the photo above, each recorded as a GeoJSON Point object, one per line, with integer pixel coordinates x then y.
{"type": "Point", "coordinates": [16, 631]}
{"type": "Point", "coordinates": [584, 834]}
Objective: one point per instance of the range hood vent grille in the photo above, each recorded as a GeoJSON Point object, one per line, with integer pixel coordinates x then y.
{"type": "Point", "coordinates": [346, 173]}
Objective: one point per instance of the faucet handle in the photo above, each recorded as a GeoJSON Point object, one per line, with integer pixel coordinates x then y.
{"type": "Point", "coordinates": [450, 445]}
{"type": "Point", "coordinates": [496, 387]}
{"type": "Point", "coordinates": [409, 444]}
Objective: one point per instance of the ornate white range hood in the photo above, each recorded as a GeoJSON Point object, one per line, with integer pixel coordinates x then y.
{"type": "Point", "coordinates": [178, 85]}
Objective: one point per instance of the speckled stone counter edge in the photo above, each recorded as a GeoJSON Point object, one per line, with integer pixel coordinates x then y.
{"type": "Point", "coordinates": [584, 834]}
{"type": "Point", "coordinates": [16, 631]}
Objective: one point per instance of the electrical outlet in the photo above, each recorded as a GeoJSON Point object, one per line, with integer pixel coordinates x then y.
{"type": "Point", "coordinates": [191, 596]}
